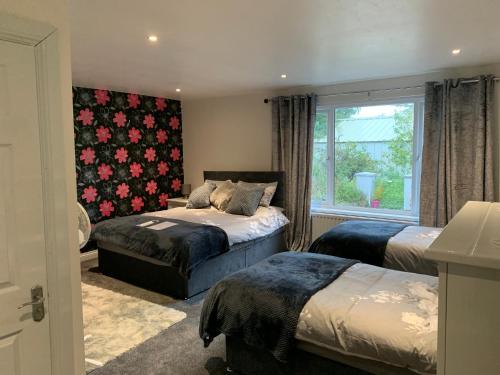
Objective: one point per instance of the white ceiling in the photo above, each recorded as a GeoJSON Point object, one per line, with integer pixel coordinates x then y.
{"type": "Point", "coordinates": [224, 47]}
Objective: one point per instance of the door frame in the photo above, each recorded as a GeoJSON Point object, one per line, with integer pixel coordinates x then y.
{"type": "Point", "coordinates": [59, 191]}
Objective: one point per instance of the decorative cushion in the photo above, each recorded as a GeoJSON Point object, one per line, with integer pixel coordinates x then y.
{"type": "Point", "coordinates": [217, 183]}
{"type": "Point", "coordinates": [269, 190]}
{"type": "Point", "coordinates": [200, 197]}
{"type": "Point", "coordinates": [221, 196]}
{"type": "Point", "coordinates": [245, 201]}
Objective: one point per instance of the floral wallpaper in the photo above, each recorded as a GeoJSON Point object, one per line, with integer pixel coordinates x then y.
{"type": "Point", "coordinates": [128, 152]}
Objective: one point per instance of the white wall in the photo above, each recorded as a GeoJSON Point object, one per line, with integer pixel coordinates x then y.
{"type": "Point", "coordinates": [70, 341]}
{"type": "Point", "coordinates": [233, 133]}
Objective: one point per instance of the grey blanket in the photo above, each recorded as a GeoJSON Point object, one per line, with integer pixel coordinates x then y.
{"type": "Point", "coordinates": [183, 246]}
{"type": "Point", "coordinates": [363, 240]}
{"type": "Point", "coordinates": [261, 304]}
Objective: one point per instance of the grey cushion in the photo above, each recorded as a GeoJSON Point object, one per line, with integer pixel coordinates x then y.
{"type": "Point", "coordinates": [221, 196]}
{"type": "Point", "coordinates": [269, 190]}
{"type": "Point", "coordinates": [200, 197]}
{"type": "Point", "coordinates": [245, 201]}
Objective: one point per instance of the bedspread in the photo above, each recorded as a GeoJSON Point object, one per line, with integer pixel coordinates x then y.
{"type": "Point", "coordinates": [261, 304]}
{"type": "Point", "coordinates": [363, 240]}
{"type": "Point", "coordinates": [178, 243]}
{"type": "Point", "coordinates": [375, 313]}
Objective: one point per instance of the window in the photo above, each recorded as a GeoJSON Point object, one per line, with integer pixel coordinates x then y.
{"type": "Point", "coordinates": [367, 158]}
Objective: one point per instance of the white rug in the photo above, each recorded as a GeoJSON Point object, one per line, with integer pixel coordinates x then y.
{"type": "Point", "coordinates": [114, 323]}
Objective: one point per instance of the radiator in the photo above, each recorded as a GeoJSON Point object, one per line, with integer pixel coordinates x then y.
{"type": "Point", "coordinates": [321, 223]}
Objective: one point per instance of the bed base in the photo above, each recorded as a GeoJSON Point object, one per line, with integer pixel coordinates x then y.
{"type": "Point", "coordinates": [246, 360]}
{"type": "Point", "coordinates": [157, 276]}
{"type": "Point", "coordinates": [306, 359]}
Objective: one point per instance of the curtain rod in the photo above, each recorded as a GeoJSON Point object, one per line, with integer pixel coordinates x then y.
{"type": "Point", "coordinates": [267, 100]}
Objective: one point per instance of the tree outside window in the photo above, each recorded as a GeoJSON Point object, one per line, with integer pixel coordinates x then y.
{"type": "Point", "coordinates": [372, 150]}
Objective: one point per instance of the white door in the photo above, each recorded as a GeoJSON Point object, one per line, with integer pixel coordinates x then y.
{"type": "Point", "coordinates": [24, 343]}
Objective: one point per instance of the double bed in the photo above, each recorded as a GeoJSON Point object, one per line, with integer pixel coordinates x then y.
{"type": "Point", "coordinates": [182, 252]}
{"type": "Point", "coordinates": [327, 315]}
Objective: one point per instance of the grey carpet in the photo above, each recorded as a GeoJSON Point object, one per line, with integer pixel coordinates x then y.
{"type": "Point", "coordinates": [177, 350]}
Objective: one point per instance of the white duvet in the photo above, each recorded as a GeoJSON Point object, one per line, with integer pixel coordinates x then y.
{"type": "Point", "coordinates": [405, 251]}
{"type": "Point", "coordinates": [378, 314]}
{"type": "Point", "coordinates": [238, 228]}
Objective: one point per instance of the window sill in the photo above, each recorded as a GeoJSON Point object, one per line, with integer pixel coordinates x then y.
{"type": "Point", "coordinates": [364, 214]}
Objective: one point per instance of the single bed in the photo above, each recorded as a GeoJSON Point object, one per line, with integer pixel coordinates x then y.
{"type": "Point", "coordinates": [227, 243]}
{"type": "Point", "coordinates": [385, 244]}
{"type": "Point", "coordinates": [356, 319]}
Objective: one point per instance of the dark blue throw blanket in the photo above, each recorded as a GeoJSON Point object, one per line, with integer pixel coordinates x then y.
{"type": "Point", "coordinates": [183, 246]}
{"type": "Point", "coordinates": [356, 239]}
{"type": "Point", "coordinates": [261, 304]}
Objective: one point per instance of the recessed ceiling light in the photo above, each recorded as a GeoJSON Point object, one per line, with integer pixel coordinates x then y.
{"type": "Point", "coordinates": [283, 76]}
{"type": "Point", "coordinates": [456, 51]}
{"type": "Point", "coordinates": [153, 38]}
{"type": "Point", "coordinates": [178, 90]}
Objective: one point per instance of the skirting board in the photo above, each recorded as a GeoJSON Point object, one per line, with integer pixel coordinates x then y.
{"type": "Point", "coordinates": [88, 255]}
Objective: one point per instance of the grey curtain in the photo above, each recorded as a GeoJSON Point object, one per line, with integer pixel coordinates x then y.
{"type": "Point", "coordinates": [457, 159]}
{"type": "Point", "coordinates": [293, 124]}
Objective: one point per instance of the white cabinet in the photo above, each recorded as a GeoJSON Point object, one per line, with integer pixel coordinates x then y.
{"type": "Point", "coordinates": [468, 252]}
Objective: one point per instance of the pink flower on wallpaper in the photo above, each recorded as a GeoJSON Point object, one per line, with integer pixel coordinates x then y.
{"type": "Point", "coordinates": [175, 154]}
{"type": "Point", "coordinates": [87, 156]}
{"type": "Point", "coordinates": [121, 155]}
{"type": "Point", "coordinates": [86, 116]}
{"type": "Point", "coordinates": [163, 200]}
{"type": "Point", "coordinates": [151, 187]}
{"type": "Point", "coordinates": [101, 96]}
{"type": "Point", "coordinates": [89, 194]}
{"type": "Point", "coordinates": [162, 168]}
{"type": "Point", "coordinates": [174, 123]}
{"type": "Point", "coordinates": [137, 204]}
{"type": "Point", "coordinates": [120, 119]}
{"type": "Point", "coordinates": [133, 100]}
{"type": "Point", "coordinates": [102, 133]}
{"type": "Point", "coordinates": [135, 170]}
{"type": "Point", "coordinates": [122, 190]}
{"type": "Point", "coordinates": [149, 121]}
{"type": "Point", "coordinates": [160, 104]}
{"type": "Point", "coordinates": [161, 136]}
{"type": "Point", "coordinates": [176, 184]}
{"type": "Point", "coordinates": [104, 171]}
{"type": "Point", "coordinates": [106, 207]}
{"type": "Point", "coordinates": [150, 154]}
{"type": "Point", "coordinates": [134, 135]}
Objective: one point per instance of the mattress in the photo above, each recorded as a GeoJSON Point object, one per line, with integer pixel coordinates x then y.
{"type": "Point", "coordinates": [405, 251]}
{"type": "Point", "coordinates": [376, 314]}
{"type": "Point", "coordinates": [238, 228]}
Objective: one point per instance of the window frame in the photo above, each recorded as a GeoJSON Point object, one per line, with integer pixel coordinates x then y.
{"type": "Point", "coordinates": [328, 206]}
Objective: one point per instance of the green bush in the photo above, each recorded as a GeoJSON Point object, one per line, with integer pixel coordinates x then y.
{"type": "Point", "coordinates": [393, 194]}
{"type": "Point", "coordinates": [319, 174]}
{"type": "Point", "coordinates": [347, 193]}
{"type": "Point", "coordinates": [350, 160]}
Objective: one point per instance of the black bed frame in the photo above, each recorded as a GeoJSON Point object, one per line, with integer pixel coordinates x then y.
{"type": "Point", "coordinates": [155, 275]}
{"type": "Point", "coordinates": [245, 360]}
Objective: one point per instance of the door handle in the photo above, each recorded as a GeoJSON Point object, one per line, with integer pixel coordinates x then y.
{"type": "Point", "coordinates": [36, 303]}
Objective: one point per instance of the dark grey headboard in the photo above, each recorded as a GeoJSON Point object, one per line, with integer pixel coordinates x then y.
{"type": "Point", "coordinates": [279, 196]}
